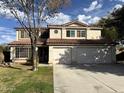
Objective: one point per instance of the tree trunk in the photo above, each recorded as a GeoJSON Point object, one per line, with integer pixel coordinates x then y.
{"type": "Point", "coordinates": [34, 58]}
{"type": "Point", "coordinates": [34, 55]}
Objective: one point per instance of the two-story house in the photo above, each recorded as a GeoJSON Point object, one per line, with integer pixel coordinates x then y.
{"type": "Point", "coordinates": [73, 42]}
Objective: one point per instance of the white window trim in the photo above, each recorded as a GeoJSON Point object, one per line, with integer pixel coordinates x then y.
{"type": "Point", "coordinates": [80, 32]}
{"type": "Point", "coordinates": [76, 30]}
{"type": "Point", "coordinates": [20, 34]}
{"type": "Point", "coordinates": [19, 53]}
{"type": "Point", "coordinates": [70, 30]}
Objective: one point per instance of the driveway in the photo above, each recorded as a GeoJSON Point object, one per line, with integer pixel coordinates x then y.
{"type": "Point", "coordinates": [105, 78]}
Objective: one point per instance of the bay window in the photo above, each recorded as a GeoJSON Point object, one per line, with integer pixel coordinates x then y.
{"type": "Point", "coordinates": [22, 52]}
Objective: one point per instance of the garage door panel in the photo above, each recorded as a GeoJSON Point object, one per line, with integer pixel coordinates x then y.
{"type": "Point", "coordinates": [62, 55]}
{"type": "Point", "coordinates": [93, 55]}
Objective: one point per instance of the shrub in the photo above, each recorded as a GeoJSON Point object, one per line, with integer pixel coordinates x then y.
{"type": "Point", "coordinates": [1, 48]}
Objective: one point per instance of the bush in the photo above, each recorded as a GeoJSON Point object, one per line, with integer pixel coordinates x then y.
{"type": "Point", "coordinates": [110, 33]}
{"type": "Point", "coordinates": [1, 49]}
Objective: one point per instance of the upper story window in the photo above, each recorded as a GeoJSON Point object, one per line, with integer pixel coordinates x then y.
{"type": "Point", "coordinates": [70, 33]}
{"type": "Point", "coordinates": [24, 34]}
{"type": "Point", "coordinates": [81, 33]}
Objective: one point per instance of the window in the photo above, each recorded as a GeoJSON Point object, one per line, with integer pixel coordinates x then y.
{"type": "Point", "coordinates": [56, 31]}
{"type": "Point", "coordinates": [81, 33]}
{"type": "Point", "coordinates": [23, 52]}
{"type": "Point", "coordinates": [70, 33]}
{"type": "Point", "coordinates": [17, 52]}
{"type": "Point", "coordinates": [24, 34]}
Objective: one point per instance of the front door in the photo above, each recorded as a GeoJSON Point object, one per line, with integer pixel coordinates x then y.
{"type": "Point", "coordinates": [43, 54]}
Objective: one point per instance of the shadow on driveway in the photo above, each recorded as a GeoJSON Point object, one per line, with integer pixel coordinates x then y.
{"type": "Point", "coordinates": [117, 69]}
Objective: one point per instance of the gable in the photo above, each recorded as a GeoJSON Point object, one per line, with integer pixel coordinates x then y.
{"type": "Point", "coordinates": [75, 24]}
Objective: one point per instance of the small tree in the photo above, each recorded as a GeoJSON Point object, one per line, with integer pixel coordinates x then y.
{"type": "Point", "coordinates": [30, 14]}
{"type": "Point", "coordinates": [110, 33]}
{"type": "Point", "coordinates": [118, 21]}
{"type": "Point", "coordinates": [114, 19]}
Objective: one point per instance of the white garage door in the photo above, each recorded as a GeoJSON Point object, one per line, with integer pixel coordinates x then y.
{"type": "Point", "coordinates": [62, 55]}
{"type": "Point", "coordinates": [93, 55]}
{"type": "Point", "coordinates": [87, 54]}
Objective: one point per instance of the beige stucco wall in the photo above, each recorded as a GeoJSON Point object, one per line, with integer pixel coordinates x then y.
{"type": "Point", "coordinates": [12, 53]}
{"type": "Point", "coordinates": [90, 34]}
{"type": "Point", "coordinates": [93, 34]}
{"type": "Point", "coordinates": [17, 35]}
{"type": "Point", "coordinates": [55, 35]}
{"type": "Point", "coordinates": [62, 34]}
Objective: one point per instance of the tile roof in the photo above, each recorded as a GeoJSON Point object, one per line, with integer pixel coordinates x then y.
{"type": "Point", "coordinates": [24, 42]}
{"type": "Point", "coordinates": [77, 42]}
{"type": "Point", "coordinates": [62, 42]}
{"type": "Point", "coordinates": [21, 28]}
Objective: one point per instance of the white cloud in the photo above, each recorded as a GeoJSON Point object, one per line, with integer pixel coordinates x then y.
{"type": "Point", "coordinates": [94, 20]}
{"type": "Point", "coordinates": [6, 35]}
{"type": "Point", "coordinates": [4, 11]}
{"type": "Point", "coordinates": [88, 19]}
{"type": "Point", "coordinates": [61, 18]}
{"type": "Point", "coordinates": [117, 6]}
{"type": "Point", "coordinates": [83, 18]}
{"type": "Point", "coordinates": [93, 6]}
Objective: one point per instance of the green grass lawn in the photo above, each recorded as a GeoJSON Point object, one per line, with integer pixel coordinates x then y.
{"type": "Point", "coordinates": [16, 80]}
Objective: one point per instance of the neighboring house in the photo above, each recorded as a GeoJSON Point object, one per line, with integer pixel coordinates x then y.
{"type": "Point", "coordinates": [73, 42]}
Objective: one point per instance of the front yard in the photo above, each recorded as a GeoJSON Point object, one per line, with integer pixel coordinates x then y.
{"type": "Point", "coordinates": [21, 80]}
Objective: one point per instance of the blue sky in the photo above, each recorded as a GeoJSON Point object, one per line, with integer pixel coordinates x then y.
{"type": "Point", "coordinates": [87, 11]}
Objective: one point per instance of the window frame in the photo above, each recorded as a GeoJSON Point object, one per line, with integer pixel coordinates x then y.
{"type": "Point", "coordinates": [81, 33]}
{"type": "Point", "coordinates": [70, 33]}
{"type": "Point", "coordinates": [23, 52]}
{"type": "Point", "coordinates": [23, 34]}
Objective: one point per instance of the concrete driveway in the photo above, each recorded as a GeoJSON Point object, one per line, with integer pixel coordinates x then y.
{"type": "Point", "coordinates": [105, 78]}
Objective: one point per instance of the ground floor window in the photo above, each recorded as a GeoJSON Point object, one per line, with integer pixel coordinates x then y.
{"type": "Point", "coordinates": [22, 52]}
